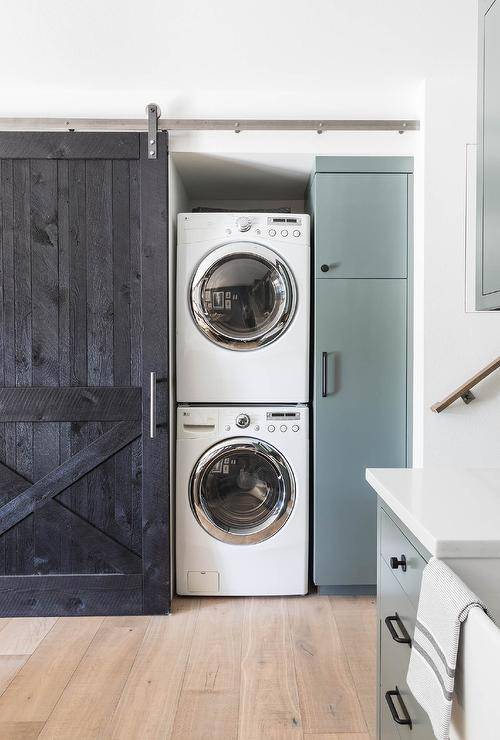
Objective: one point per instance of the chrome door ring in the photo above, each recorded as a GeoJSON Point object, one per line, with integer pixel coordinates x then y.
{"type": "Point", "coordinates": [284, 285]}
{"type": "Point", "coordinates": [277, 518]}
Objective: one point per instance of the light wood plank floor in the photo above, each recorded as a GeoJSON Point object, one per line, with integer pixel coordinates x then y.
{"type": "Point", "coordinates": [217, 668]}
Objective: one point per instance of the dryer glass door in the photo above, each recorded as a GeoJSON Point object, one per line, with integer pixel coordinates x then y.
{"type": "Point", "coordinates": [243, 299]}
{"type": "Point", "coordinates": [242, 491]}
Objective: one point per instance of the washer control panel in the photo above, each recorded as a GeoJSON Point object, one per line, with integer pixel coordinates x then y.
{"type": "Point", "coordinates": [229, 421]}
{"type": "Point", "coordinates": [283, 421]}
{"type": "Point", "coordinates": [255, 421]}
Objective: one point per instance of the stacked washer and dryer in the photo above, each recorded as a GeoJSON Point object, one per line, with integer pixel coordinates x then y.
{"type": "Point", "coordinates": [242, 391]}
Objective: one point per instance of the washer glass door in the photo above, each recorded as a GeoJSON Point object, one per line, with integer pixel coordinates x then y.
{"type": "Point", "coordinates": [243, 299]}
{"type": "Point", "coordinates": [242, 491]}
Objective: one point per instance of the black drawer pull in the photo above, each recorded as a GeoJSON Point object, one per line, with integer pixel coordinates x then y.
{"type": "Point", "coordinates": [395, 716]}
{"type": "Point", "coordinates": [395, 563]}
{"type": "Point", "coordinates": [405, 637]}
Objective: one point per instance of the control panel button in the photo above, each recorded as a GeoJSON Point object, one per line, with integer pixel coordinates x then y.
{"type": "Point", "coordinates": [295, 428]}
{"type": "Point", "coordinates": [227, 428]}
{"type": "Point", "coordinates": [271, 428]}
{"type": "Point", "coordinates": [257, 427]}
{"type": "Point", "coordinates": [283, 428]}
{"type": "Point", "coordinates": [284, 232]}
{"type": "Point", "coordinates": [296, 232]}
{"type": "Point", "coordinates": [272, 232]}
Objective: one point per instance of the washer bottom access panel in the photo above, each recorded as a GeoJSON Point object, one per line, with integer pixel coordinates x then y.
{"type": "Point", "coordinates": [242, 500]}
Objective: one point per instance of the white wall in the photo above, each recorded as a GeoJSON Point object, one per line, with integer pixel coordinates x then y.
{"type": "Point", "coordinates": [326, 58]}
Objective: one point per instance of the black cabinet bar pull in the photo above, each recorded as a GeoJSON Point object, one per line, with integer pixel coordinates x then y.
{"type": "Point", "coordinates": [405, 637]}
{"type": "Point", "coordinates": [395, 716]}
{"type": "Point", "coordinates": [401, 563]}
{"type": "Point", "coordinates": [324, 374]}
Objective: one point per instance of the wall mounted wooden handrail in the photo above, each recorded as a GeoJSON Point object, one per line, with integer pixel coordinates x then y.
{"type": "Point", "coordinates": [464, 391]}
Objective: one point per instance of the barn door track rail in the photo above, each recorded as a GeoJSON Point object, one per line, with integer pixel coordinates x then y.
{"type": "Point", "coordinates": [155, 123]}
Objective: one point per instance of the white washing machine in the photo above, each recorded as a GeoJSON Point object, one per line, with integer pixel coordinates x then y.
{"type": "Point", "coordinates": [243, 308]}
{"type": "Point", "coordinates": [242, 500]}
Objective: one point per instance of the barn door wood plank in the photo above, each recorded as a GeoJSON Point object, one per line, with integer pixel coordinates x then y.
{"type": "Point", "coordinates": [155, 508]}
{"type": "Point", "coordinates": [77, 496]}
{"type": "Point", "coordinates": [64, 267]}
{"type": "Point", "coordinates": [65, 595]}
{"type": "Point", "coordinates": [10, 542]}
{"type": "Point", "coordinates": [100, 323]}
{"type": "Point", "coordinates": [135, 513]}
{"type": "Point", "coordinates": [63, 298]}
{"type": "Point", "coordinates": [60, 145]}
{"type": "Point", "coordinates": [69, 404]}
{"type": "Point", "coordinates": [22, 319]}
{"type": "Point", "coordinates": [45, 338]}
{"type": "Point", "coordinates": [123, 504]}
{"type": "Point", "coordinates": [60, 478]}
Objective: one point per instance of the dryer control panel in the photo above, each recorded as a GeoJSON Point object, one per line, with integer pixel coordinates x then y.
{"type": "Point", "coordinates": [291, 228]}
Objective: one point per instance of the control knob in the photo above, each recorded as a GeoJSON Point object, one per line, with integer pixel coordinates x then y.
{"type": "Point", "coordinates": [242, 421]}
{"type": "Point", "coordinates": [244, 223]}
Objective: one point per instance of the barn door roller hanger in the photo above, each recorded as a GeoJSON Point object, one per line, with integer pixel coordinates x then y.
{"type": "Point", "coordinates": [154, 114]}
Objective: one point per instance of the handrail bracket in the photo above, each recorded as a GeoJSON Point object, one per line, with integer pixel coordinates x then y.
{"type": "Point", "coordinates": [467, 397]}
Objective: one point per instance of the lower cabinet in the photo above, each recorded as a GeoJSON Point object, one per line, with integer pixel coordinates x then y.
{"type": "Point", "coordinates": [359, 421]}
{"type": "Point", "coordinates": [400, 715]}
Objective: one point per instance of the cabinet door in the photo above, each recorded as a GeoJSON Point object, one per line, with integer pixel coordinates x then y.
{"type": "Point", "coordinates": [488, 237]}
{"type": "Point", "coordinates": [361, 229]}
{"type": "Point", "coordinates": [360, 418]}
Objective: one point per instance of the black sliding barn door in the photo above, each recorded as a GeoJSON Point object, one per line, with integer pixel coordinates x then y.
{"type": "Point", "coordinates": [84, 500]}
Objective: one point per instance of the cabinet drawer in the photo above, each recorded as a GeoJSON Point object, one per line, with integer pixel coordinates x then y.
{"type": "Point", "coordinates": [395, 655]}
{"type": "Point", "coordinates": [394, 544]}
{"type": "Point", "coordinates": [421, 728]}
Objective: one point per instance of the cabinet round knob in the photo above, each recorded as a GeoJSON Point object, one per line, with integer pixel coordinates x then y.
{"type": "Point", "coordinates": [325, 268]}
{"type": "Point", "coordinates": [398, 563]}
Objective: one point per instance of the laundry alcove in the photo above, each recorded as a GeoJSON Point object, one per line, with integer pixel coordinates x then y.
{"type": "Point", "coordinates": [238, 181]}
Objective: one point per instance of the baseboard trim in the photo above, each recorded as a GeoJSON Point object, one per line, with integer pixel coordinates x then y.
{"type": "Point", "coordinates": [369, 589]}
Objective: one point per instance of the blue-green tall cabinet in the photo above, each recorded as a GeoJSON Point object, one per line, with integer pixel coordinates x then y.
{"type": "Point", "coordinates": [362, 227]}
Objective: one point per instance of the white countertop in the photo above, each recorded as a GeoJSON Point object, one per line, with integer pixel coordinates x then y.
{"type": "Point", "coordinates": [454, 513]}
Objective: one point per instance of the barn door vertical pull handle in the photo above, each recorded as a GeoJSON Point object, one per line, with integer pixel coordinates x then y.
{"type": "Point", "coordinates": [324, 374]}
{"type": "Point", "coordinates": [152, 405]}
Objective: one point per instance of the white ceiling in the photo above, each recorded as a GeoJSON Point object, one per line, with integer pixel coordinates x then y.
{"type": "Point", "coordinates": [244, 176]}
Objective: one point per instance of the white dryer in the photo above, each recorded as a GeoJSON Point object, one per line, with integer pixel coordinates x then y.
{"type": "Point", "coordinates": [243, 308]}
{"type": "Point", "coordinates": [242, 500]}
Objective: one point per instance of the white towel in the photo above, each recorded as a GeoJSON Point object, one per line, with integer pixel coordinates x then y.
{"type": "Point", "coordinates": [443, 605]}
